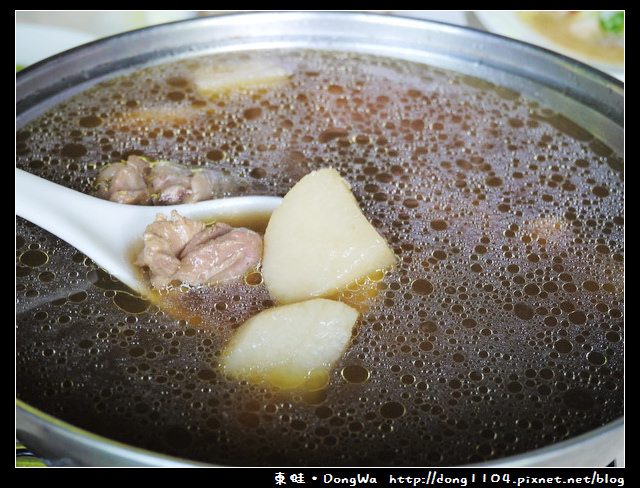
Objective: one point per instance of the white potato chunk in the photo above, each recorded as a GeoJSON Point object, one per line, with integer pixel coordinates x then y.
{"type": "Point", "coordinates": [318, 241]}
{"type": "Point", "coordinates": [289, 345]}
{"type": "Point", "coordinates": [223, 78]}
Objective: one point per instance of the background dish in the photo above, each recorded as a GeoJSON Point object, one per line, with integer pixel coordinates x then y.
{"type": "Point", "coordinates": [507, 23]}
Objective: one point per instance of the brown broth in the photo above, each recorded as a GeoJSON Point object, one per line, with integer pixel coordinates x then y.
{"type": "Point", "coordinates": [499, 331]}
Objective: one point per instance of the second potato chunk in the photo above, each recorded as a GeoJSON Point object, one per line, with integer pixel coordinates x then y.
{"type": "Point", "coordinates": [287, 345]}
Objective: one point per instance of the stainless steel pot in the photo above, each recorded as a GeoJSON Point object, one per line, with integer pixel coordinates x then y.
{"type": "Point", "coordinates": [593, 98]}
{"type": "Point", "coordinates": [62, 444]}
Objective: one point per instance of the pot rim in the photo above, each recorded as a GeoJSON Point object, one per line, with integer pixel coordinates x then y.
{"type": "Point", "coordinates": [478, 51]}
{"type": "Point", "coordinates": [46, 434]}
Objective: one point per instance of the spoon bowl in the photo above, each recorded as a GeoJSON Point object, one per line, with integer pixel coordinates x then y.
{"type": "Point", "coordinates": [106, 231]}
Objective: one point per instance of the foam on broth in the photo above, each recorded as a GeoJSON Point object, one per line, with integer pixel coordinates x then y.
{"type": "Point", "coordinates": [499, 330]}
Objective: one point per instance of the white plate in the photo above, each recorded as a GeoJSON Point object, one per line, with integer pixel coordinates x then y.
{"type": "Point", "coordinates": [506, 23]}
{"type": "Point", "coordinates": [37, 42]}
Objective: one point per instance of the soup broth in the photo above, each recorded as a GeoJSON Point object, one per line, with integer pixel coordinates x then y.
{"type": "Point", "coordinates": [499, 330]}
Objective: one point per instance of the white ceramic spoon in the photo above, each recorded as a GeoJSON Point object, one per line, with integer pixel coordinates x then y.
{"type": "Point", "coordinates": [107, 231]}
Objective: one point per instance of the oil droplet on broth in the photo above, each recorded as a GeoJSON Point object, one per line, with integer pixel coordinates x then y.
{"type": "Point", "coordinates": [34, 258]}
{"type": "Point", "coordinates": [392, 410]}
{"type": "Point", "coordinates": [355, 374]}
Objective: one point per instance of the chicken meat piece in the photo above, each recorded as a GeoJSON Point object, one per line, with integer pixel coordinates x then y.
{"type": "Point", "coordinates": [137, 181]}
{"type": "Point", "coordinates": [169, 183]}
{"type": "Point", "coordinates": [125, 182]}
{"type": "Point", "coordinates": [188, 251]}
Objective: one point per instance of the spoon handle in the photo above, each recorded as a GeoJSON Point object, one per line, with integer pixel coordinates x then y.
{"type": "Point", "coordinates": [96, 227]}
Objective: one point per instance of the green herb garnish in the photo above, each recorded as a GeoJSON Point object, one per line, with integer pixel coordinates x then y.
{"type": "Point", "coordinates": [612, 22]}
